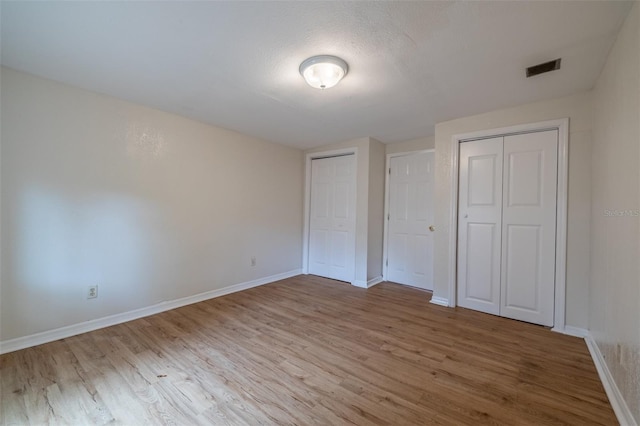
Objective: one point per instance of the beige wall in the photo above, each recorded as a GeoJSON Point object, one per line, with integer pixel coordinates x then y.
{"type": "Point", "coordinates": [420, 144]}
{"type": "Point", "coordinates": [376, 209]}
{"type": "Point", "coordinates": [578, 109]}
{"type": "Point", "coordinates": [614, 317]}
{"type": "Point", "coordinates": [150, 206]}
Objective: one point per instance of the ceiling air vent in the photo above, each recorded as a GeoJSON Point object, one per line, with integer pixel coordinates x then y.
{"type": "Point", "coordinates": [542, 68]}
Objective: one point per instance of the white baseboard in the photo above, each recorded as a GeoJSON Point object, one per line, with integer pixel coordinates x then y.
{"type": "Point", "coordinates": [359, 283]}
{"type": "Point", "coordinates": [571, 331]}
{"type": "Point", "coordinates": [72, 330]}
{"type": "Point", "coordinates": [440, 301]}
{"type": "Point", "coordinates": [625, 417]}
{"type": "Point", "coordinates": [374, 281]}
{"type": "Point", "coordinates": [367, 284]}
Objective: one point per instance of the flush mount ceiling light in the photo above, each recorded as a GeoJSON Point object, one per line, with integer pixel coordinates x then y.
{"type": "Point", "coordinates": [323, 71]}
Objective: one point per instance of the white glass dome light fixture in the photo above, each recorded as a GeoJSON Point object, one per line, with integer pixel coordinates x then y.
{"type": "Point", "coordinates": [324, 71]}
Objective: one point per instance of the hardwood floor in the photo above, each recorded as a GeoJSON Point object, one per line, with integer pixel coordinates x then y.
{"type": "Point", "coordinates": [308, 350]}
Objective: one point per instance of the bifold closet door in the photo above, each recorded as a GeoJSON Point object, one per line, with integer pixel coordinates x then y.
{"type": "Point", "coordinates": [333, 217]}
{"type": "Point", "coordinates": [529, 227]}
{"type": "Point", "coordinates": [507, 226]}
{"type": "Point", "coordinates": [479, 225]}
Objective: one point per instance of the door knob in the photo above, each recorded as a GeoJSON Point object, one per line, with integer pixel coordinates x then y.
{"type": "Point", "coordinates": [432, 228]}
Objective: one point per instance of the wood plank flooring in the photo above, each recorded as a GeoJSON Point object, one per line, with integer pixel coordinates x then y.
{"type": "Point", "coordinates": [308, 350]}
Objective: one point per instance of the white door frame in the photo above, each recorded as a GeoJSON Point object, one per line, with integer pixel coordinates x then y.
{"type": "Point", "coordinates": [562, 125]}
{"type": "Point", "coordinates": [385, 236]}
{"type": "Point", "coordinates": [307, 202]}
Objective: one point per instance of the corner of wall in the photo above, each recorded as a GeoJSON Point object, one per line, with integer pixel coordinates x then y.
{"type": "Point", "coordinates": [375, 209]}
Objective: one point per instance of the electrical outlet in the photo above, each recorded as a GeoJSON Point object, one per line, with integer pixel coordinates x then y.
{"type": "Point", "coordinates": [92, 292]}
{"type": "Point", "coordinates": [253, 261]}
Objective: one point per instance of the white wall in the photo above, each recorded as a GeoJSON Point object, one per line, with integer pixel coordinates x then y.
{"type": "Point", "coordinates": [614, 317]}
{"type": "Point", "coordinates": [578, 109]}
{"type": "Point", "coordinates": [148, 205]}
{"type": "Point", "coordinates": [420, 144]}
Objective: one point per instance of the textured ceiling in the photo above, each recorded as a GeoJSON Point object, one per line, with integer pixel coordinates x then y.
{"type": "Point", "coordinates": [235, 64]}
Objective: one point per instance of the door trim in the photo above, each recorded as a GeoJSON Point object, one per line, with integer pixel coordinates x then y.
{"type": "Point", "coordinates": [385, 235]}
{"type": "Point", "coordinates": [307, 201]}
{"type": "Point", "coordinates": [562, 125]}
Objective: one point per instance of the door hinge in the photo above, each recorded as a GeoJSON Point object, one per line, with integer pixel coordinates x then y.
{"type": "Point", "coordinates": [387, 263]}
{"type": "Point", "coordinates": [389, 170]}
{"type": "Point", "coordinates": [388, 216]}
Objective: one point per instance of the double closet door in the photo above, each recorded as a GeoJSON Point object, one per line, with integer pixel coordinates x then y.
{"type": "Point", "coordinates": [507, 225]}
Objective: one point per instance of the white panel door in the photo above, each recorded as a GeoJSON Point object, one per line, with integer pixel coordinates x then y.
{"type": "Point", "coordinates": [479, 225]}
{"type": "Point", "coordinates": [529, 226]}
{"type": "Point", "coordinates": [332, 218]}
{"type": "Point", "coordinates": [410, 241]}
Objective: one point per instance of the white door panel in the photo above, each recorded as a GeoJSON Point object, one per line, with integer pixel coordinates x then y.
{"type": "Point", "coordinates": [529, 226]}
{"type": "Point", "coordinates": [410, 242]}
{"type": "Point", "coordinates": [332, 221]}
{"type": "Point", "coordinates": [479, 224]}
{"type": "Point", "coordinates": [481, 276]}
{"type": "Point", "coordinates": [522, 265]}
{"type": "Point", "coordinates": [319, 246]}
{"type": "Point", "coordinates": [339, 243]}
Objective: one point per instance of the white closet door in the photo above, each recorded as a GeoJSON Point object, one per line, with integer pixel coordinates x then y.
{"type": "Point", "coordinates": [529, 226]}
{"type": "Point", "coordinates": [332, 218]}
{"type": "Point", "coordinates": [410, 247]}
{"type": "Point", "coordinates": [479, 225]}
